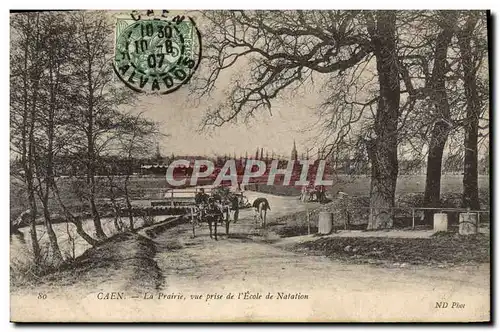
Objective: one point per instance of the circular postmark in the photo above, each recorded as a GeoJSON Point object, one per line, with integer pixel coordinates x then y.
{"type": "Point", "coordinates": [156, 55]}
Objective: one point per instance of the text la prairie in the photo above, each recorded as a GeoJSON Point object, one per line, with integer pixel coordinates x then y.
{"type": "Point", "coordinates": [205, 297]}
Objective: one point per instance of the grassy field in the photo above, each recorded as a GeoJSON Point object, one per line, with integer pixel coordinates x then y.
{"type": "Point", "coordinates": [153, 188]}
{"type": "Point", "coordinates": [360, 185]}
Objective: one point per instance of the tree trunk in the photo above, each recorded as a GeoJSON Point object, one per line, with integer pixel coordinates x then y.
{"type": "Point", "coordinates": [116, 220]}
{"type": "Point", "coordinates": [76, 221]}
{"type": "Point", "coordinates": [96, 218]}
{"type": "Point", "coordinates": [27, 138]}
{"type": "Point", "coordinates": [116, 209]}
{"type": "Point", "coordinates": [129, 204]}
{"type": "Point", "coordinates": [91, 155]}
{"type": "Point", "coordinates": [33, 234]}
{"type": "Point", "coordinates": [92, 186]}
{"type": "Point", "coordinates": [55, 256]}
{"type": "Point", "coordinates": [79, 229]}
{"type": "Point", "coordinates": [432, 192]}
{"type": "Point", "coordinates": [26, 160]}
{"type": "Point", "coordinates": [383, 149]}
{"type": "Point", "coordinates": [470, 196]}
{"type": "Point", "coordinates": [442, 125]}
{"type": "Point", "coordinates": [29, 169]}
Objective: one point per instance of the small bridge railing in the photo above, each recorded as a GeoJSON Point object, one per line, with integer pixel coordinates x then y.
{"type": "Point", "coordinates": [414, 209]}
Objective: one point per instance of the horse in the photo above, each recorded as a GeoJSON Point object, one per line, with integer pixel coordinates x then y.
{"type": "Point", "coordinates": [214, 217]}
{"type": "Point", "coordinates": [261, 206]}
{"type": "Point", "coordinates": [211, 213]}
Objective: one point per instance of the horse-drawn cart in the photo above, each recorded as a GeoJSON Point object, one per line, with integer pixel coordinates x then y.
{"type": "Point", "coordinates": [213, 213]}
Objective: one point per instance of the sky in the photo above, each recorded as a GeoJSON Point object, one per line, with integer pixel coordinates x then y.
{"type": "Point", "coordinates": [180, 121]}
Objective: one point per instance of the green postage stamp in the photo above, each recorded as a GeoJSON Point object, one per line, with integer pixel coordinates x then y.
{"type": "Point", "coordinates": [156, 54]}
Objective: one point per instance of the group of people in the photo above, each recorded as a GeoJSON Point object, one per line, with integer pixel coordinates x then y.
{"type": "Point", "coordinates": [312, 192]}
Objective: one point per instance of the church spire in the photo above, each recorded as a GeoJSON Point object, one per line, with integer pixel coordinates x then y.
{"type": "Point", "coordinates": [294, 151]}
{"type": "Point", "coordinates": [158, 155]}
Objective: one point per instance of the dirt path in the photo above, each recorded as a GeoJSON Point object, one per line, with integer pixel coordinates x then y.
{"type": "Point", "coordinates": [249, 266]}
{"type": "Point", "coordinates": [245, 261]}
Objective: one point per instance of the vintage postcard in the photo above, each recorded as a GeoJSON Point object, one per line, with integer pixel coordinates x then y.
{"type": "Point", "coordinates": [250, 166]}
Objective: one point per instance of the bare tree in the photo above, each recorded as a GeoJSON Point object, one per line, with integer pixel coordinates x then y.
{"type": "Point", "coordinates": [136, 137]}
{"type": "Point", "coordinates": [114, 191]}
{"type": "Point", "coordinates": [26, 73]}
{"type": "Point", "coordinates": [473, 50]}
{"type": "Point", "coordinates": [283, 50]}
{"type": "Point", "coordinates": [382, 150]}
{"type": "Point", "coordinates": [441, 109]}
{"type": "Point", "coordinates": [431, 70]}
{"type": "Point", "coordinates": [63, 95]}
{"type": "Point", "coordinates": [56, 57]}
{"type": "Point", "coordinates": [97, 99]}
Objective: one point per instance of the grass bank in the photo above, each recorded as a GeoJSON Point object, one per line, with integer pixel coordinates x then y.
{"type": "Point", "coordinates": [441, 250]}
{"type": "Point", "coordinates": [119, 262]}
{"type": "Point", "coordinates": [123, 261]}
